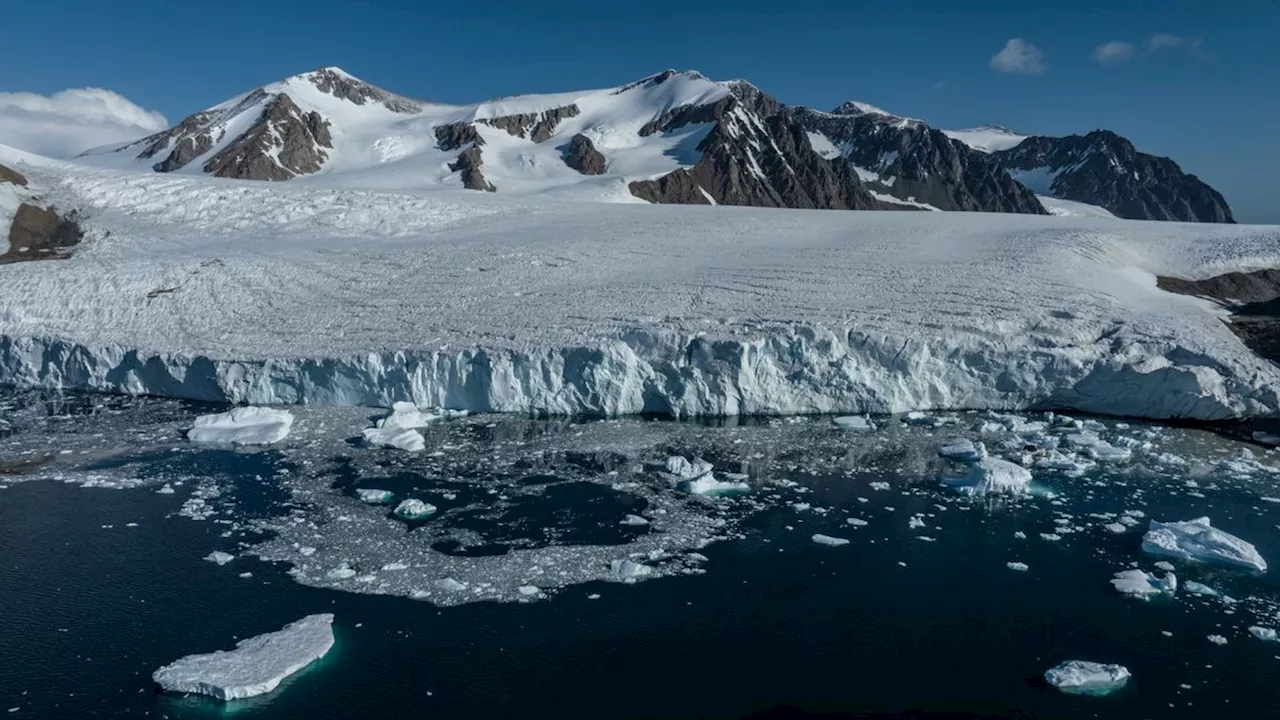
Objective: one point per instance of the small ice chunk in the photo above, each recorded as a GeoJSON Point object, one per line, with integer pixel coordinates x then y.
{"type": "Point", "coordinates": [342, 572]}
{"type": "Point", "coordinates": [1165, 566]}
{"type": "Point", "coordinates": [395, 437]}
{"type": "Point", "coordinates": [1117, 528]}
{"type": "Point", "coordinates": [633, 520]}
{"type": "Point", "coordinates": [219, 558]}
{"type": "Point", "coordinates": [1087, 678]}
{"type": "Point", "coordinates": [529, 590]}
{"type": "Point", "coordinates": [1217, 639]}
{"type": "Point", "coordinates": [1196, 588]}
{"type": "Point", "coordinates": [1106, 452]}
{"type": "Point", "coordinates": [685, 469]}
{"type": "Point", "coordinates": [1144, 585]}
{"type": "Point", "coordinates": [1050, 537]}
{"type": "Point", "coordinates": [993, 476]}
{"type": "Point", "coordinates": [915, 522]}
{"type": "Point", "coordinates": [962, 449]}
{"type": "Point", "coordinates": [374, 497]}
{"type": "Point", "coordinates": [1198, 540]}
{"type": "Point", "coordinates": [855, 423]}
{"type": "Point", "coordinates": [1264, 633]}
{"type": "Point", "coordinates": [829, 540]}
{"type": "Point", "coordinates": [448, 584]}
{"type": "Point", "coordinates": [167, 489]}
{"type": "Point", "coordinates": [629, 571]}
{"type": "Point", "coordinates": [407, 416]}
{"type": "Point", "coordinates": [256, 666]}
{"type": "Point", "coordinates": [879, 485]}
{"type": "Point", "coordinates": [1020, 567]}
{"type": "Point", "coordinates": [414, 509]}
{"type": "Point", "coordinates": [856, 522]}
{"type": "Point", "coordinates": [242, 426]}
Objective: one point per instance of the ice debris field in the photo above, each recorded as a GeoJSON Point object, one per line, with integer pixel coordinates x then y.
{"type": "Point", "coordinates": [274, 293]}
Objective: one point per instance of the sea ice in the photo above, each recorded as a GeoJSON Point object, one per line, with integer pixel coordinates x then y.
{"type": "Point", "coordinates": [1217, 639]}
{"type": "Point", "coordinates": [399, 438]}
{"type": "Point", "coordinates": [1117, 528]}
{"type": "Point", "coordinates": [1264, 633]}
{"type": "Point", "coordinates": [1087, 678]}
{"type": "Point", "coordinates": [1198, 540]}
{"type": "Point", "coordinates": [962, 449]}
{"type": "Point", "coordinates": [856, 522]}
{"type": "Point", "coordinates": [374, 497]}
{"type": "Point", "coordinates": [628, 570]}
{"type": "Point", "coordinates": [1196, 588]}
{"type": "Point", "coordinates": [709, 485]}
{"type": "Point", "coordinates": [448, 584]}
{"type": "Point", "coordinates": [220, 558]}
{"type": "Point", "coordinates": [1020, 567]}
{"type": "Point", "coordinates": [857, 423]}
{"type": "Point", "coordinates": [256, 666]}
{"type": "Point", "coordinates": [242, 426]}
{"type": "Point", "coordinates": [1144, 585]}
{"type": "Point", "coordinates": [407, 416]}
{"type": "Point", "coordinates": [414, 509]}
{"type": "Point", "coordinates": [993, 476]}
{"type": "Point", "coordinates": [829, 540]}
{"type": "Point", "coordinates": [633, 520]}
{"type": "Point", "coordinates": [684, 469]}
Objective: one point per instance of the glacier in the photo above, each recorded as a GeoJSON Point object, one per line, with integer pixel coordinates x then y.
{"type": "Point", "coordinates": [261, 293]}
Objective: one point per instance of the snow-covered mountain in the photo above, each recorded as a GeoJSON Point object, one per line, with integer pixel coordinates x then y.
{"type": "Point", "coordinates": [673, 137]}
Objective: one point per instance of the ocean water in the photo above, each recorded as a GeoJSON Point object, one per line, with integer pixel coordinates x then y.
{"type": "Point", "coordinates": [102, 579]}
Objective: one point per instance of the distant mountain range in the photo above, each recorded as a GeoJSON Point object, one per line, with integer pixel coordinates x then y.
{"type": "Point", "coordinates": [674, 137]}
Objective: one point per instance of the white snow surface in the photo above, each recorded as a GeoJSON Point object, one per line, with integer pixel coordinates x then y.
{"type": "Point", "coordinates": [1086, 677]}
{"type": "Point", "coordinates": [242, 426]}
{"type": "Point", "coordinates": [282, 293]}
{"type": "Point", "coordinates": [988, 138]}
{"type": "Point", "coordinates": [256, 666]}
{"type": "Point", "coordinates": [1199, 541]}
{"type": "Point", "coordinates": [1071, 208]}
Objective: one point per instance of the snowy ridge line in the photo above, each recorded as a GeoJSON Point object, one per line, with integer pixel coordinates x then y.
{"type": "Point", "coordinates": [787, 371]}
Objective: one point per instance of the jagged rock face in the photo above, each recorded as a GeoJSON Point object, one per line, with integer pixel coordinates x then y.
{"type": "Point", "coordinates": [11, 176]}
{"type": "Point", "coordinates": [1104, 169]}
{"type": "Point", "coordinates": [750, 161]}
{"type": "Point", "coordinates": [344, 87]}
{"type": "Point", "coordinates": [295, 138]}
{"type": "Point", "coordinates": [755, 99]}
{"type": "Point", "coordinates": [455, 135]}
{"type": "Point", "coordinates": [469, 161]}
{"type": "Point", "coordinates": [581, 155]}
{"type": "Point", "coordinates": [912, 161]}
{"type": "Point", "coordinates": [39, 233]}
{"type": "Point", "coordinates": [537, 127]}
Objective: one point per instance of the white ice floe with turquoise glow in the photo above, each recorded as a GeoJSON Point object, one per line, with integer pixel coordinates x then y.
{"type": "Point", "coordinates": [1085, 677]}
{"type": "Point", "coordinates": [256, 666]}
{"type": "Point", "coordinates": [242, 426]}
{"type": "Point", "coordinates": [1197, 540]}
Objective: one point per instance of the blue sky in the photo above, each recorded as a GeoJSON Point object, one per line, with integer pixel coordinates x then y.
{"type": "Point", "coordinates": [1208, 100]}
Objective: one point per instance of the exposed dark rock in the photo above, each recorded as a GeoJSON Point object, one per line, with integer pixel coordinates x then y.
{"type": "Point", "coordinates": [342, 86]}
{"type": "Point", "coordinates": [40, 234]}
{"type": "Point", "coordinates": [1253, 299]}
{"type": "Point", "coordinates": [537, 127]}
{"type": "Point", "coordinates": [455, 135]}
{"type": "Point", "coordinates": [11, 176]}
{"type": "Point", "coordinates": [1104, 169]}
{"type": "Point", "coordinates": [678, 117]}
{"type": "Point", "coordinates": [755, 99]}
{"type": "Point", "coordinates": [912, 161]}
{"type": "Point", "coordinates": [581, 155]}
{"type": "Point", "coordinates": [468, 163]}
{"type": "Point", "coordinates": [749, 161]}
{"type": "Point", "coordinates": [295, 137]}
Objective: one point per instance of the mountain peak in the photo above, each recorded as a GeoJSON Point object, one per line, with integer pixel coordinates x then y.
{"type": "Point", "coordinates": [853, 107]}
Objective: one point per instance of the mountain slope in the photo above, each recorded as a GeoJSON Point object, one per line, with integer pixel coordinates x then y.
{"type": "Point", "coordinates": [1104, 169]}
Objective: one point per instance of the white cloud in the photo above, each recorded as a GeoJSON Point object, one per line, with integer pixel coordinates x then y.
{"type": "Point", "coordinates": [68, 122]}
{"type": "Point", "coordinates": [1161, 41]}
{"type": "Point", "coordinates": [1019, 57]}
{"type": "Point", "coordinates": [1113, 53]}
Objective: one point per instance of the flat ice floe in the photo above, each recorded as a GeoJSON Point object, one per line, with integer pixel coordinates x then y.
{"type": "Point", "coordinates": [394, 437]}
{"type": "Point", "coordinates": [889, 323]}
{"type": "Point", "coordinates": [1197, 540]}
{"type": "Point", "coordinates": [256, 666]}
{"type": "Point", "coordinates": [1144, 585]}
{"type": "Point", "coordinates": [1087, 678]}
{"type": "Point", "coordinates": [242, 426]}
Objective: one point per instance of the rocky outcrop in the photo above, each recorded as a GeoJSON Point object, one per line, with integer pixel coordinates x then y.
{"type": "Point", "coordinates": [1253, 299]}
{"type": "Point", "coordinates": [1104, 169]}
{"type": "Point", "coordinates": [537, 127]}
{"type": "Point", "coordinates": [581, 155]}
{"type": "Point", "coordinates": [284, 144]}
{"type": "Point", "coordinates": [459, 135]}
{"type": "Point", "coordinates": [914, 162]}
{"type": "Point", "coordinates": [40, 233]}
{"type": "Point", "coordinates": [747, 160]}
{"type": "Point", "coordinates": [337, 83]}
{"type": "Point", "coordinates": [12, 177]}
{"type": "Point", "coordinates": [754, 99]}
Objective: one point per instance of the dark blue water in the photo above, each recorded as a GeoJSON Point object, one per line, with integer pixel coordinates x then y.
{"type": "Point", "coordinates": [888, 626]}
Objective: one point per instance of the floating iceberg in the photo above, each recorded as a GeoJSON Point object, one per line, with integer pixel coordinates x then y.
{"type": "Point", "coordinates": [448, 584]}
{"type": "Point", "coordinates": [242, 426]}
{"type": "Point", "coordinates": [374, 497]}
{"type": "Point", "coordinates": [1264, 633]}
{"type": "Point", "coordinates": [1196, 588]}
{"type": "Point", "coordinates": [1087, 678]}
{"type": "Point", "coordinates": [1199, 541]}
{"type": "Point", "coordinates": [407, 416]}
{"type": "Point", "coordinates": [1020, 567]}
{"type": "Point", "coordinates": [414, 509]}
{"type": "Point", "coordinates": [633, 520]}
{"type": "Point", "coordinates": [709, 485]}
{"type": "Point", "coordinates": [393, 437]}
{"type": "Point", "coordinates": [993, 476]}
{"type": "Point", "coordinates": [684, 469]}
{"type": "Point", "coordinates": [629, 570]}
{"type": "Point", "coordinates": [856, 423]}
{"type": "Point", "coordinates": [256, 666]}
{"type": "Point", "coordinates": [829, 540]}
{"type": "Point", "coordinates": [219, 558]}
{"type": "Point", "coordinates": [1144, 585]}
{"type": "Point", "coordinates": [962, 449]}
